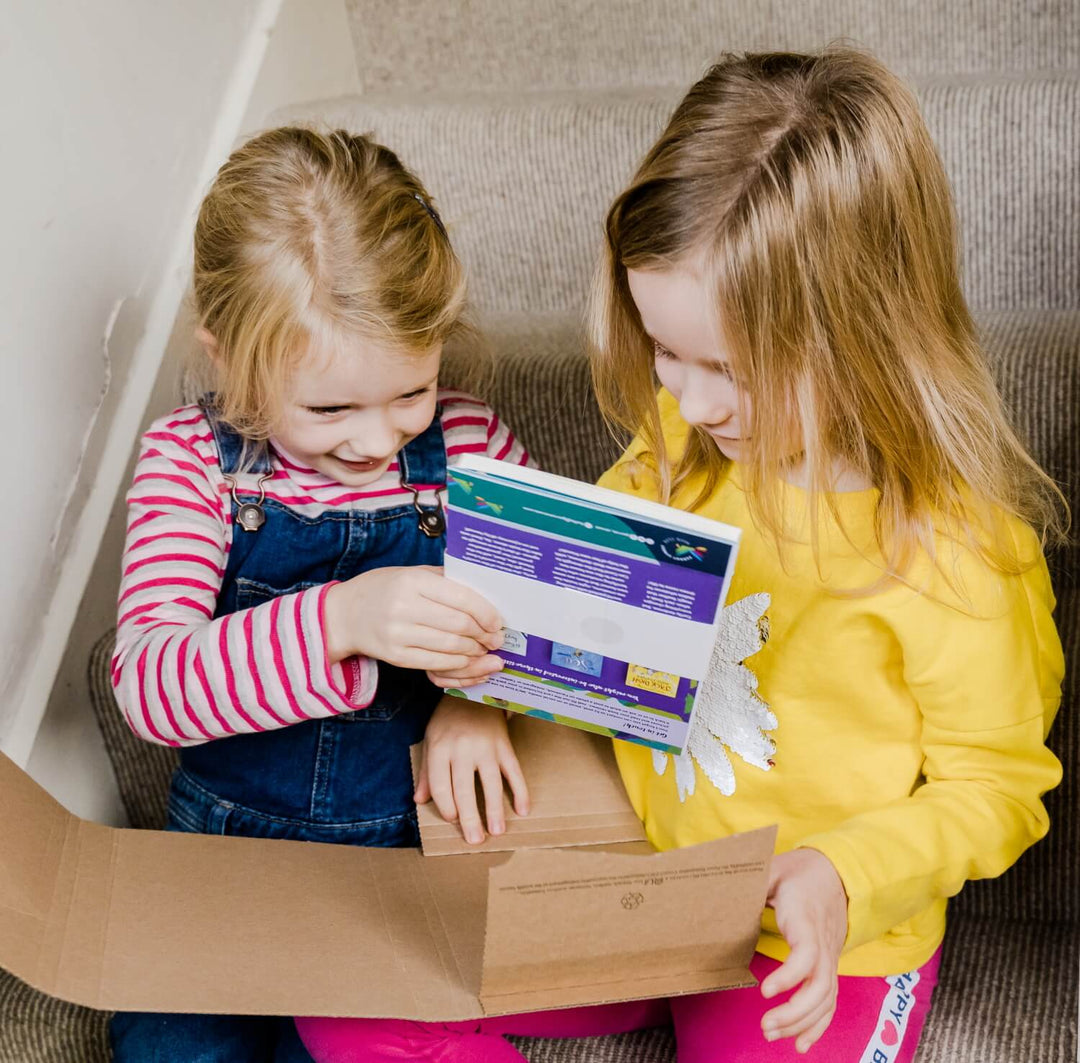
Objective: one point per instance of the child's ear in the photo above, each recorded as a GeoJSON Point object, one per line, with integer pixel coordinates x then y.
{"type": "Point", "coordinates": [209, 343]}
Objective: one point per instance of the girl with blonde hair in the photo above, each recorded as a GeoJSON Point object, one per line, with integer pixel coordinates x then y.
{"type": "Point", "coordinates": [778, 321]}
{"type": "Point", "coordinates": [281, 597]}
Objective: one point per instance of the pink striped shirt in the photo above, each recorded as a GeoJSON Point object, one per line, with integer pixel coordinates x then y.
{"type": "Point", "coordinates": [181, 677]}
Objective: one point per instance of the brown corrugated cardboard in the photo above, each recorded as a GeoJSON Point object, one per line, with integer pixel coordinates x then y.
{"type": "Point", "coordinates": [577, 796]}
{"type": "Point", "coordinates": [626, 926]}
{"type": "Point", "coordinates": [148, 920]}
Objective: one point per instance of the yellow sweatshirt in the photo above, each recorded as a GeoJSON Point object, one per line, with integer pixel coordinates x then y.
{"type": "Point", "coordinates": [911, 727]}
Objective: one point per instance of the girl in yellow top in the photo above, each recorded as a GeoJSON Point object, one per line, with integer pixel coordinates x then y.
{"type": "Point", "coordinates": [784, 261]}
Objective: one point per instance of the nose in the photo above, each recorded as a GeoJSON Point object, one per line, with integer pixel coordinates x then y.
{"type": "Point", "coordinates": [373, 436]}
{"type": "Point", "coordinates": [705, 401]}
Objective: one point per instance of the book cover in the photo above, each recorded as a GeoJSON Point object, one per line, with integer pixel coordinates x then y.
{"type": "Point", "coordinates": [611, 603]}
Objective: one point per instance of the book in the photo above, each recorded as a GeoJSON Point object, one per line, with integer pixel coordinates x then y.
{"type": "Point", "coordinates": [611, 603]}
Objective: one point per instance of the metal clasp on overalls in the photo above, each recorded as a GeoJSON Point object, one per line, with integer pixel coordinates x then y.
{"type": "Point", "coordinates": [249, 515]}
{"type": "Point", "coordinates": [432, 520]}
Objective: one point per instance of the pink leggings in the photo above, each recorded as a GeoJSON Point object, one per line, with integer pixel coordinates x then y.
{"type": "Point", "coordinates": [877, 1020]}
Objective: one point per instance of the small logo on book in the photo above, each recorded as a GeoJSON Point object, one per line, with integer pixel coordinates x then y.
{"type": "Point", "coordinates": [631, 901]}
{"type": "Point", "coordinates": [680, 550]}
{"type": "Point", "coordinates": [483, 503]}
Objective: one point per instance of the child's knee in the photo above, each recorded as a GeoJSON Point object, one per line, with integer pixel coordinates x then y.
{"type": "Point", "coordinates": [376, 1040]}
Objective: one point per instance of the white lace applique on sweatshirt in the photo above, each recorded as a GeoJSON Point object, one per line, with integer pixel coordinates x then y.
{"type": "Point", "coordinates": [729, 715]}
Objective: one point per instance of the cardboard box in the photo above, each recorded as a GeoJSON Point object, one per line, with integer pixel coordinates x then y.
{"type": "Point", "coordinates": [157, 921]}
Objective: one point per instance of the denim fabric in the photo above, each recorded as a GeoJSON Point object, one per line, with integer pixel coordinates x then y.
{"type": "Point", "coordinates": [157, 1038]}
{"type": "Point", "coordinates": [346, 779]}
{"type": "Point", "coordinates": [340, 774]}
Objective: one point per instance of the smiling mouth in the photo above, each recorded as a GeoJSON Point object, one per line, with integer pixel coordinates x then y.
{"type": "Point", "coordinates": [361, 466]}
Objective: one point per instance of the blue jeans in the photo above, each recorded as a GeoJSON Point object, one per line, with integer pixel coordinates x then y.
{"type": "Point", "coordinates": [140, 1037]}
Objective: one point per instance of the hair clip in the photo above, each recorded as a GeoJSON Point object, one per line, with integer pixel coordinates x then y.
{"type": "Point", "coordinates": [431, 210]}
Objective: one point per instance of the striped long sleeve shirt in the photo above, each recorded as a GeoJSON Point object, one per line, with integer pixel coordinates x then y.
{"type": "Point", "coordinates": [182, 677]}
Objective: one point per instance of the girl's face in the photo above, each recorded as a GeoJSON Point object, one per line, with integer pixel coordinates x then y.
{"type": "Point", "coordinates": [673, 305]}
{"type": "Point", "coordinates": [348, 412]}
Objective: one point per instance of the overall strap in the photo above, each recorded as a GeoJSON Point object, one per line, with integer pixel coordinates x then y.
{"type": "Point", "coordinates": [423, 461]}
{"type": "Point", "coordinates": [237, 454]}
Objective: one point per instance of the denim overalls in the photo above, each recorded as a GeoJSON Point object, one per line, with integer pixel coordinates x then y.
{"type": "Point", "coordinates": [344, 779]}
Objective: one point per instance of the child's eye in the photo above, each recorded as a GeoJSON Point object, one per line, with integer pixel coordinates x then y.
{"type": "Point", "coordinates": [660, 351]}
{"type": "Point", "coordinates": [413, 395]}
{"type": "Point", "coordinates": [326, 411]}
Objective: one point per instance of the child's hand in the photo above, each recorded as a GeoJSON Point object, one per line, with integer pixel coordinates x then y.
{"type": "Point", "coordinates": [476, 671]}
{"type": "Point", "coordinates": [463, 740]}
{"type": "Point", "coordinates": [412, 617]}
{"type": "Point", "coordinates": [811, 911]}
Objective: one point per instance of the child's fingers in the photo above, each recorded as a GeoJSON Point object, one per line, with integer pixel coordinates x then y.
{"type": "Point", "coordinates": [794, 970]}
{"type": "Point", "coordinates": [802, 1010]}
{"type": "Point", "coordinates": [430, 661]}
{"type": "Point", "coordinates": [441, 616]}
{"type": "Point", "coordinates": [807, 1040]}
{"type": "Point", "coordinates": [422, 791]}
{"type": "Point", "coordinates": [440, 787]}
{"type": "Point", "coordinates": [491, 781]}
{"type": "Point", "coordinates": [464, 783]}
{"type": "Point", "coordinates": [425, 636]}
{"type": "Point", "coordinates": [511, 768]}
{"type": "Point", "coordinates": [465, 600]}
{"type": "Point", "coordinates": [446, 682]}
{"type": "Point", "coordinates": [450, 683]}
{"type": "Point", "coordinates": [477, 668]}
{"type": "Point", "coordinates": [477, 671]}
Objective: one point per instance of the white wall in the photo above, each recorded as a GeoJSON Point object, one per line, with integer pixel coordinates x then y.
{"type": "Point", "coordinates": [310, 57]}
{"type": "Point", "coordinates": [308, 54]}
{"type": "Point", "coordinates": [116, 114]}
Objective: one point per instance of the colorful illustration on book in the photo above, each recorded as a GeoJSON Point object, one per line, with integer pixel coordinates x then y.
{"type": "Point", "coordinates": [514, 642]}
{"type": "Point", "coordinates": [612, 603]}
{"type": "Point", "coordinates": [607, 714]}
{"type": "Point", "coordinates": [730, 715]}
{"type": "Point", "coordinates": [577, 660]}
{"type": "Point", "coordinates": [649, 679]}
{"type": "Point", "coordinates": [602, 705]}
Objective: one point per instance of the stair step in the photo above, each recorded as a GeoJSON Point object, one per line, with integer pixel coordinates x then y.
{"type": "Point", "coordinates": [524, 180]}
{"type": "Point", "coordinates": [441, 46]}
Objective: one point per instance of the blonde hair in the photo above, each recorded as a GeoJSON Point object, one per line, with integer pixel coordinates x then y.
{"type": "Point", "coordinates": [809, 187]}
{"type": "Point", "coordinates": [306, 236]}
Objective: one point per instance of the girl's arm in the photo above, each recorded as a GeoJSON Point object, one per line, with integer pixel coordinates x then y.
{"type": "Point", "coordinates": [181, 677]}
{"type": "Point", "coordinates": [988, 687]}
{"type": "Point", "coordinates": [470, 426]}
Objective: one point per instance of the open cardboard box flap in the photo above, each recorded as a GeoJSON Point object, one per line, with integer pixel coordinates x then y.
{"type": "Point", "coordinates": [574, 785]}
{"type": "Point", "coordinates": [156, 921]}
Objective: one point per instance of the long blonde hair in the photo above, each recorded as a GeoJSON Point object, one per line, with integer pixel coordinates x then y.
{"type": "Point", "coordinates": [810, 188]}
{"type": "Point", "coordinates": [305, 236]}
